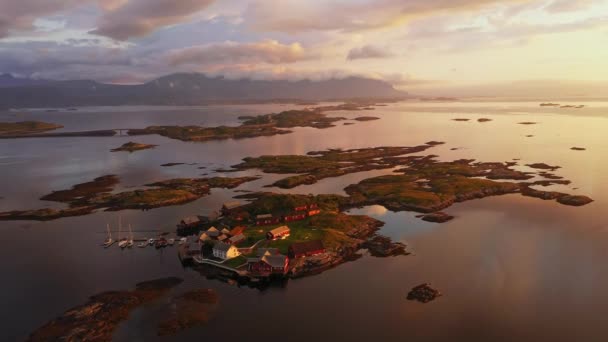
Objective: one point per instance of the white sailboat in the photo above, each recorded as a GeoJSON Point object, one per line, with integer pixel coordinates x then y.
{"type": "Point", "coordinates": [109, 241]}
{"type": "Point", "coordinates": [130, 240]}
{"type": "Point", "coordinates": [122, 243]}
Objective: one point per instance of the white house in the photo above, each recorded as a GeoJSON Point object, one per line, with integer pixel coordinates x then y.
{"type": "Point", "coordinates": [225, 251]}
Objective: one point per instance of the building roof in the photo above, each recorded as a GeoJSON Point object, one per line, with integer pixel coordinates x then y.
{"type": "Point", "coordinates": [275, 260]}
{"type": "Point", "coordinates": [213, 231]}
{"type": "Point", "coordinates": [237, 238]}
{"type": "Point", "coordinates": [232, 205]}
{"type": "Point", "coordinates": [204, 237]}
{"type": "Point", "coordinates": [280, 230]}
{"type": "Point", "coordinates": [222, 237]}
{"type": "Point", "coordinates": [191, 220]}
{"type": "Point", "coordinates": [223, 247]}
{"type": "Point", "coordinates": [262, 251]}
{"type": "Point", "coordinates": [264, 216]}
{"type": "Point", "coordinates": [225, 231]}
{"type": "Point", "coordinates": [308, 246]}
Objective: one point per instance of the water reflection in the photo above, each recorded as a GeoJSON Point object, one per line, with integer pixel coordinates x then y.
{"type": "Point", "coordinates": [510, 268]}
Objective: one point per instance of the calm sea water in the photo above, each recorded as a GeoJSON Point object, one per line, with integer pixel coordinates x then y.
{"type": "Point", "coordinates": [510, 268]}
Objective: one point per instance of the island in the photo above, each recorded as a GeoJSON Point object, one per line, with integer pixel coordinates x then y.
{"type": "Point", "coordinates": [97, 319]}
{"type": "Point", "coordinates": [85, 198]}
{"type": "Point", "coordinates": [255, 126]}
{"type": "Point", "coordinates": [10, 129]}
{"type": "Point", "coordinates": [132, 147]}
{"type": "Point", "coordinates": [367, 118]}
{"type": "Point", "coordinates": [482, 120]}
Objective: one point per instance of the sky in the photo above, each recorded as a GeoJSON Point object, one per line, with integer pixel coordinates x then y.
{"type": "Point", "coordinates": [460, 47]}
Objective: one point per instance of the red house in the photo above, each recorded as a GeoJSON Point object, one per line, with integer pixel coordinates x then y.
{"type": "Point", "coordinates": [306, 249]}
{"type": "Point", "coordinates": [295, 217]}
{"type": "Point", "coordinates": [314, 212]}
{"type": "Point", "coordinates": [301, 208]}
{"type": "Point", "coordinates": [268, 264]}
{"type": "Point", "coordinates": [266, 220]}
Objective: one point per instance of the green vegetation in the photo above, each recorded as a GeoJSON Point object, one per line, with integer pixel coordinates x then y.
{"type": "Point", "coordinates": [132, 147]}
{"type": "Point", "coordinates": [335, 229]}
{"type": "Point", "coordinates": [235, 262]}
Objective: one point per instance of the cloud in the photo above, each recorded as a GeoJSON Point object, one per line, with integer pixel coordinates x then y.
{"type": "Point", "coordinates": [61, 61]}
{"type": "Point", "coordinates": [297, 16]}
{"type": "Point", "coordinates": [268, 51]}
{"type": "Point", "coordinates": [368, 51]}
{"type": "Point", "coordinates": [557, 6]}
{"type": "Point", "coordinates": [124, 19]}
{"type": "Point", "coordinates": [21, 14]}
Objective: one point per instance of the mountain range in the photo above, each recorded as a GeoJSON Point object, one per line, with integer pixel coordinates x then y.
{"type": "Point", "coordinates": [185, 89]}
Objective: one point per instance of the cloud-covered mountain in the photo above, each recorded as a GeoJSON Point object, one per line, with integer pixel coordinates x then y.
{"type": "Point", "coordinates": [191, 89]}
{"type": "Point", "coordinates": [8, 80]}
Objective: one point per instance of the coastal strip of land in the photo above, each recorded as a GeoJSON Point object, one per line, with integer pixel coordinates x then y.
{"type": "Point", "coordinates": [85, 198]}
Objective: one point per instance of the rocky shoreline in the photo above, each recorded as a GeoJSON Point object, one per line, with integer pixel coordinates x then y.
{"type": "Point", "coordinates": [97, 319]}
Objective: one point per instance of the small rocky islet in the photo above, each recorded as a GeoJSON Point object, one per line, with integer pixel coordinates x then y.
{"type": "Point", "coordinates": [132, 147]}
{"type": "Point", "coordinates": [423, 293]}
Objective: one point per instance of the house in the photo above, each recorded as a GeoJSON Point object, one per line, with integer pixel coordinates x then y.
{"type": "Point", "coordinates": [278, 233]}
{"type": "Point", "coordinates": [314, 212]}
{"type": "Point", "coordinates": [213, 232]}
{"type": "Point", "coordinates": [295, 217]}
{"type": "Point", "coordinates": [266, 220]}
{"type": "Point", "coordinates": [204, 237]}
{"type": "Point", "coordinates": [222, 238]}
{"type": "Point", "coordinates": [225, 231]}
{"type": "Point", "coordinates": [236, 239]}
{"type": "Point", "coordinates": [225, 251]}
{"type": "Point", "coordinates": [268, 264]}
{"type": "Point", "coordinates": [306, 207]}
{"type": "Point", "coordinates": [228, 207]}
{"type": "Point", "coordinates": [306, 249]}
{"type": "Point", "coordinates": [190, 221]}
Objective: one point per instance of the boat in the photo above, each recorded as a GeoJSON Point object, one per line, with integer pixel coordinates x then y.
{"type": "Point", "coordinates": [151, 242]}
{"type": "Point", "coordinates": [130, 240]}
{"type": "Point", "coordinates": [142, 244]}
{"type": "Point", "coordinates": [161, 243]}
{"type": "Point", "coordinates": [170, 242]}
{"type": "Point", "coordinates": [122, 243]}
{"type": "Point", "coordinates": [109, 241]}
{"type": "Point", "coordinates": [182, 241]}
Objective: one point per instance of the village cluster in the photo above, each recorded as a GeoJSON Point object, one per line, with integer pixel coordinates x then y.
{"type": "Point", "coordinates": [231, 239]}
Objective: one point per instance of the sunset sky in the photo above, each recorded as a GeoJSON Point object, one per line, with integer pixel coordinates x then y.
{"type": "Point", "coordinates": [423, 46]}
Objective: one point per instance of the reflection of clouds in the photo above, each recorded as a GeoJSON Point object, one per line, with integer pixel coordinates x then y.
{"type": "Point", "coordinates": [375, 210]}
